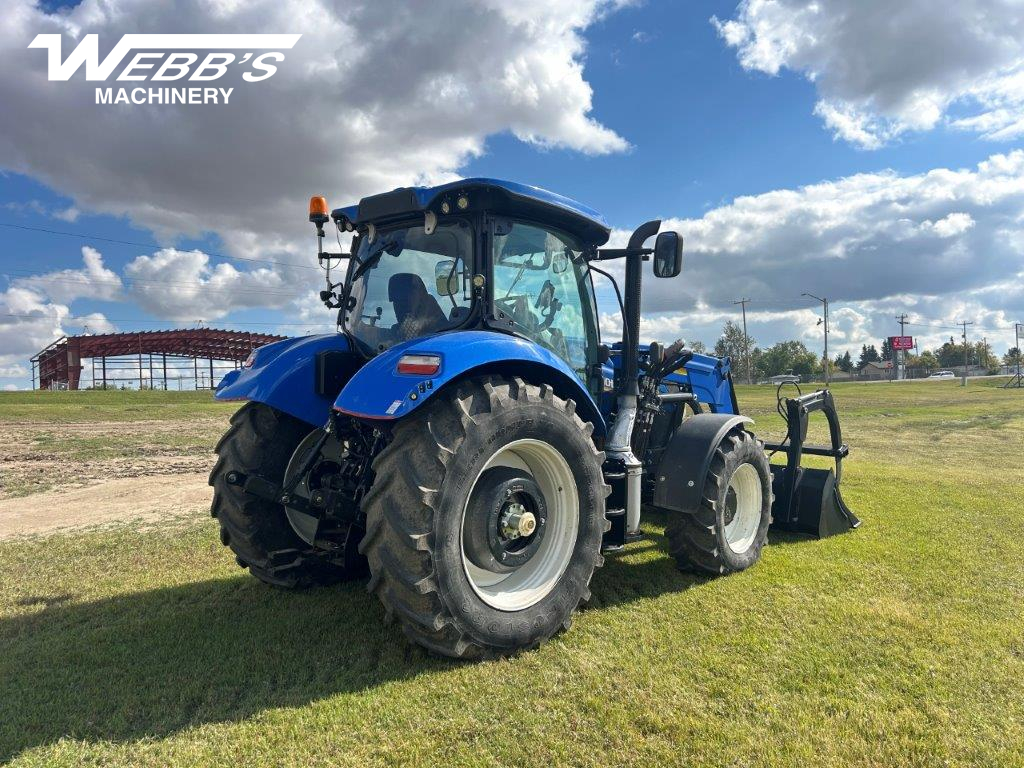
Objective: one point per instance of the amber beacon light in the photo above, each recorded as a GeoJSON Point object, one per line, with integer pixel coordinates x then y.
{"type": "Point", "coordinates": [318, 209]}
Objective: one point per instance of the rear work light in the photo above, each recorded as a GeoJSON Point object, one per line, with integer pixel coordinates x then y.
{"type": "Point", "coordinates": [419, 365]}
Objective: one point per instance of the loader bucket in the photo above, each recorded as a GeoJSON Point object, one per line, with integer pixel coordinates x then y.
{"type": "Point", "coordinates": [807, 500]}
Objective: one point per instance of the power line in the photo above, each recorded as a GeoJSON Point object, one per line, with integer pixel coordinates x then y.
{"type": "Point", "coordinates": [117, 241]}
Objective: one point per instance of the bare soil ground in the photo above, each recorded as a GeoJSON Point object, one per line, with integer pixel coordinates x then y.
{"type": "Point", "coordinates": [142, 500]}
{"type": "Point", "coordinates": [39, 457]}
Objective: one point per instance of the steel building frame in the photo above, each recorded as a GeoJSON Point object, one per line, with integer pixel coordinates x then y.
{"type": "Point", "coordinates": [59, 366]}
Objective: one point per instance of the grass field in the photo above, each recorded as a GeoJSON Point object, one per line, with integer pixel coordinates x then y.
{"type": "Point", "coordinates": [899, 644]}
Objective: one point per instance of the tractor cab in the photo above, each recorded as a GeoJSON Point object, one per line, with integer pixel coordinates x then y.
{"type": "Point", "coordinates": [478, 254]}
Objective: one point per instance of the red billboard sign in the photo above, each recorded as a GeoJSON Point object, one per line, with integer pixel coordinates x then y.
{"type": "Point", "coordinates": [901, 342]}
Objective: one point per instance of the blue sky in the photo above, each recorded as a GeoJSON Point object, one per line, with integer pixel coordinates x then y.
{"type": "Point", "coordinates": [728, 129]}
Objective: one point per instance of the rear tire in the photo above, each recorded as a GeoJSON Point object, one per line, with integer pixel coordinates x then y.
{"type": "Point", "coordinates": [730, 528]}
{"type": "Point", "coordinates": [261, 441]}
{"type": "Point", "coordinates": [419, 510]}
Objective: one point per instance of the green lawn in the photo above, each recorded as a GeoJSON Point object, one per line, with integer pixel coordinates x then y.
{"type": "Point", "coordinates": [108, 405]}
{"type": "Point", "coordinates": [899, 644]}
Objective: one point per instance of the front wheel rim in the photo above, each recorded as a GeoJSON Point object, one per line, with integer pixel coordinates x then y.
{"type": "Point", "coordinates": [744, 499]}
{"type": "Point", "coordinates": [535, 579]}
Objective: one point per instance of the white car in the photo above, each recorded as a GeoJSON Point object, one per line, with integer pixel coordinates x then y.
{"type": "Point", "coordinates": [943, 375]}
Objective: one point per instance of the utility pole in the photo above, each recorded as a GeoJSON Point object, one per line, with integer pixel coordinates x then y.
{"type": "Point", "coordinates": [965, 323]}
{"type": "Point", "coordinates": [901, 370]}
{"type": "Point", "coordinates": [746, 340]}
{"type": "Point", "coordinates": [824, 304]}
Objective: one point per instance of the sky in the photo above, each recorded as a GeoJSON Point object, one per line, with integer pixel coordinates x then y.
{"type": "Point", "coordinates": [860, 150]}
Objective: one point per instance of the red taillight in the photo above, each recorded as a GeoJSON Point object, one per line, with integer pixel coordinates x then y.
{"type": "Point", "coordinates": [419, 365]}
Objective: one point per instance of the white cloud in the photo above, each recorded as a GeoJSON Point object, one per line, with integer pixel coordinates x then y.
{"type": "Point", "coordinates": [93, 281]}
{"type": "Point", "coordinates": [13, 371]}
{"type": "Point", "coordinates": [185, 286]}
{"type": "Point", "coordinates": [942, 246]}
{"type": "Point", "coordinates": [376, 94]}
{"type": "Point", "coordinates": [882, 68]}
{"type": "Point", "coordinates": [69, 214]}
{"type": "Point", "coordinates": [30, 321]}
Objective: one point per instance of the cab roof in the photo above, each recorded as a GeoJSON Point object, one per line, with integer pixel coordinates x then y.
{"type": "Point", "coordinates": [495, 195]}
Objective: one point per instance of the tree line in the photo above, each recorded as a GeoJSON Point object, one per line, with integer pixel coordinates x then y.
{"type": "Point", "coordinates": [794, 357]}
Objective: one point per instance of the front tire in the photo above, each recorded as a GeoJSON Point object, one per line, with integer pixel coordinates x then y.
{"type": "Point", "coordinates": [728, 531]}
{"type": "Point", "coordinates": [485, 520]}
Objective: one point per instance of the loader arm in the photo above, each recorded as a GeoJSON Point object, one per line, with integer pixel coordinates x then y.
{"type": "Point", "coordinates": [808, 500]}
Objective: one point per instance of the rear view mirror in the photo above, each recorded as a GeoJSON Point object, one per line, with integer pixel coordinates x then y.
{"type": "Point", "coordinates": [559, 262]}
{"type": "Point", "coordinates": [668, 254]}
{"type": "Point", "coordinates": [446, 278]}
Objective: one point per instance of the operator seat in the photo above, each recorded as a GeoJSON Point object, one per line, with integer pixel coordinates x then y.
{"type": "Point", "coordinates": [417, 311]}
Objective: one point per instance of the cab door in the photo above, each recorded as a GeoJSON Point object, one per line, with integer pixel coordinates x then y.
{"type": "Point", "coordinates": [540, 289]}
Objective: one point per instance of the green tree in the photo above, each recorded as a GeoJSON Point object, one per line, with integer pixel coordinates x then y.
{"type": "Point", "coordinates": [887, 350]}
{"type": "Point", "coordinates": [868, 354]}
{"type": "Point", "coordinates": [787, 357]}
{"type": "Point", "coordinates": [926, 360]}
{"type": "Point", "coordinates": [1013, 356]}
{"type": "Point", "coordinates": [981, 354]}
{"type": "Point", "coordinates": [844, 362]}
{"type": "Point", "coordinates": [950, 354]}
{"type": "Point", "coordinates": [734, 345]}
{"type": "Point", "coordinates": [698, 347]}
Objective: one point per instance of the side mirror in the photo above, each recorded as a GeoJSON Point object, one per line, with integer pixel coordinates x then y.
{"type": "Point", "coordinates": [559, 262]}
{"type": "Point", "coordinates": [446, 278]}
{"type": "Point", "coordinates": [668, 254]}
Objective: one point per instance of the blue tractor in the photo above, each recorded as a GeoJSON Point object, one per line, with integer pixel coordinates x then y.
{"type": "Point", "coordinates": [468, 439]}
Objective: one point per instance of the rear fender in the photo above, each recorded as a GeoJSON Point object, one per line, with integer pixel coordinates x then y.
{"type": "Point", "coordinates": [379, 392]}
{"type": "Point", "coordinates": [299, 376]}
{"type": "Point", "coordinates": [679, 481]}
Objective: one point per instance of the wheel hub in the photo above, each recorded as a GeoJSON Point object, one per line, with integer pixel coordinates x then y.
{"type": "Point", "coordinates": [505, 521]}
{"type": "Point", "coordinates": [516, 521]}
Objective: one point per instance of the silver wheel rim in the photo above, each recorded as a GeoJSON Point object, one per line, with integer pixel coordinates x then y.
{"type": "Point", "coordinates": [740, 532]}
{"type": "Point", "coordinates": [535, 579]}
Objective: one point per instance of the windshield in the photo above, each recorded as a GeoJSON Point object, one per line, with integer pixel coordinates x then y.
{"type": "Point", "coordinates": [407, 284]}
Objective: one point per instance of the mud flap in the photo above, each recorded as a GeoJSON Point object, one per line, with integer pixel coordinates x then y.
{"type": "Point", "coordinates": [807, 500]}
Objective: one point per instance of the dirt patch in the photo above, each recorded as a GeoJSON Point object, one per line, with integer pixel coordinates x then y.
{"type": "Point", "coordinates": [39, 457]}
{"type": "Point", "coordinates": [142, 500]}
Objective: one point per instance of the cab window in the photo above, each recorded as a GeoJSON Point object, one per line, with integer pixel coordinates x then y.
{"type": "Point", "coordinates": [540, 281]}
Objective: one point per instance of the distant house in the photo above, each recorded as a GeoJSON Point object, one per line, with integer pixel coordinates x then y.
{"type": "Point", "coordinates": [876, 371]}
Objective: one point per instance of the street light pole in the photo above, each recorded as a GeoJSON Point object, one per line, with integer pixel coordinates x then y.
{"type": "Point", "coordinates": [746, 341]}
{"type": "Point", "coordinates": [824, 303]}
